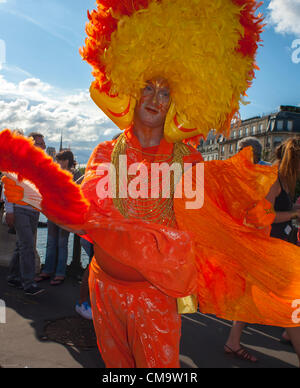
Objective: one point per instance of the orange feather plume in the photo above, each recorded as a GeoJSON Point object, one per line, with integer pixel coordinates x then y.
{"type": "Point", "coordinates": [62, 199]}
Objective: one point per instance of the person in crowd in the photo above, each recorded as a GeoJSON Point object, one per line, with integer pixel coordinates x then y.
{"type": "Point", "coordinates": [256, 148]}
{"type": "Point", "coordinates": [83, 305]}
{"type": "Point", "coordinates": [282, 194]}
{"type": "Point", "coordinates": [39, 142]}
{"type": "Point", "coordinates": [281, 197]}
{"type": "Point", "coordinates": [24, 219]}
{"type": "Point", "coordinates": [58, 238]}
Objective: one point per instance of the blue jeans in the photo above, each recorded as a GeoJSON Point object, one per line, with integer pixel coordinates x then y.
{"type": "Point", "coordinates": [57, 248]}
{"type": "Point", "coordinates": [22, 265]}
{"type": "Point", "coordinates": [88, 247]}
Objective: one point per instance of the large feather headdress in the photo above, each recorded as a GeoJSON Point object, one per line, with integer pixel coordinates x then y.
{"type": "Point", "coordinates": [205, 49]}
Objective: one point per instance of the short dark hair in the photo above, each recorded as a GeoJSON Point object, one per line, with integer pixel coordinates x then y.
{"type": "Point", "coordinates": [67, 155]}
{"type": "Point", "coordinates": [35, 135]}
{"type": "Point", "coordinates": [116, 136]}
{"type": "Point", "coordinates": [251, 142]}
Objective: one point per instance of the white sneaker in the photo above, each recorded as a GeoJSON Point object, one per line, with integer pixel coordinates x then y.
{"type": "Point", "coordinates": [84, 310]}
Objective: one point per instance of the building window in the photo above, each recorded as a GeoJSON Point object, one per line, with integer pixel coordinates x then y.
{"type": "Point", "coordinates": [223, 150]}
{"type": "Point", "coordinates": [277, 141]}
{"type": "Point", "coordinates": [279, 125]}
{"type": "Point", "coordinates": [290, 125]}
{"type": "Point", "coordinates": [261, 128]}
{"type": "Point", "coordinates": [240, 133]}
{"type": "Point", "coordinates": [246, 131]}
{"type": "Point", "coordinates": [234, 134]}
{"type": "Point", "coordinates": [231, 148]}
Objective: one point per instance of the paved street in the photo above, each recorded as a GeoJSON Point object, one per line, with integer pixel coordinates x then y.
{"type": "Point", "coordinates": [202, 336]}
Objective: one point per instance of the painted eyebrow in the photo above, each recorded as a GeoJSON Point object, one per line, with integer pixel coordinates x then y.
{"type": "Point", "coordinates": [163, 88]}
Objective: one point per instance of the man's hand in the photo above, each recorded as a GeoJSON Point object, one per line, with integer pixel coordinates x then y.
{"type": "Point", "coordinates": [10, 219]}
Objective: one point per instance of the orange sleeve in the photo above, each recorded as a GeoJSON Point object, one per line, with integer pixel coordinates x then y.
{"type": "Point", "coordinates": [163, 256]}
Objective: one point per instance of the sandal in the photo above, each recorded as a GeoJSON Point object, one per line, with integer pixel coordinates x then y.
{"type": "Point", "coordinates": [241, 354]}
{"type": "Point", "coordinates": [57, 281]}
{"type": "Point", "coordinates": [41, 277]}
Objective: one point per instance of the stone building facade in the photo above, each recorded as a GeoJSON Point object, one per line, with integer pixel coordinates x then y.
{"type": "Point", "coordinates": [271, 130]}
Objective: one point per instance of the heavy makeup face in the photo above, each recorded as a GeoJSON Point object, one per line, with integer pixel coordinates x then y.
{"type": "Point", "coordinates": [154, 103]}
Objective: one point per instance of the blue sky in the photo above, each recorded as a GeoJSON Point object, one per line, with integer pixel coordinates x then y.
{"type": "Point", "coordinates": [43, 38]}
{"type": "Point", "coordinates": [44, 82]}
{"type": "Point", "coordinates": [278, 81]}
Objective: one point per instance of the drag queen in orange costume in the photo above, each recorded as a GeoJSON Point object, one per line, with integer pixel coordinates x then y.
{"type": "Point", "coordinates": [166, 71]}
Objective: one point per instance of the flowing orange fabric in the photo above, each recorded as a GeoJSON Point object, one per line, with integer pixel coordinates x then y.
{"type": "Point", "coordinates": [137, 326]}
{"type": "Point", "coordinates": [243, 274]}
{"type": "Point", "coordinates": [163, 256]}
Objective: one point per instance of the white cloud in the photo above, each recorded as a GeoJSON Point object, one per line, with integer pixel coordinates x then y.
{"type": "Point", "coordinates": [31, 88]}
{"type": "Point", "coordinates": [33, 105]}
{"type": "Point", "coordinates": [285, 16]}
{"type": "Point", "coordinates": [34, 84]}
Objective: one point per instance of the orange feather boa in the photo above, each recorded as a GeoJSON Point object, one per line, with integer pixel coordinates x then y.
{"type": "Point", "coordinates": [61, 197]}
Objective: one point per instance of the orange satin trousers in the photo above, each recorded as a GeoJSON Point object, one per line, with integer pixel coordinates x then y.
{"type": "Point", "coordinates": [137, 326]}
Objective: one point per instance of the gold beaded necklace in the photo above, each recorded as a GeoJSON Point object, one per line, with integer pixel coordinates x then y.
{"type": "Point", "coordinates": [157, 210]}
